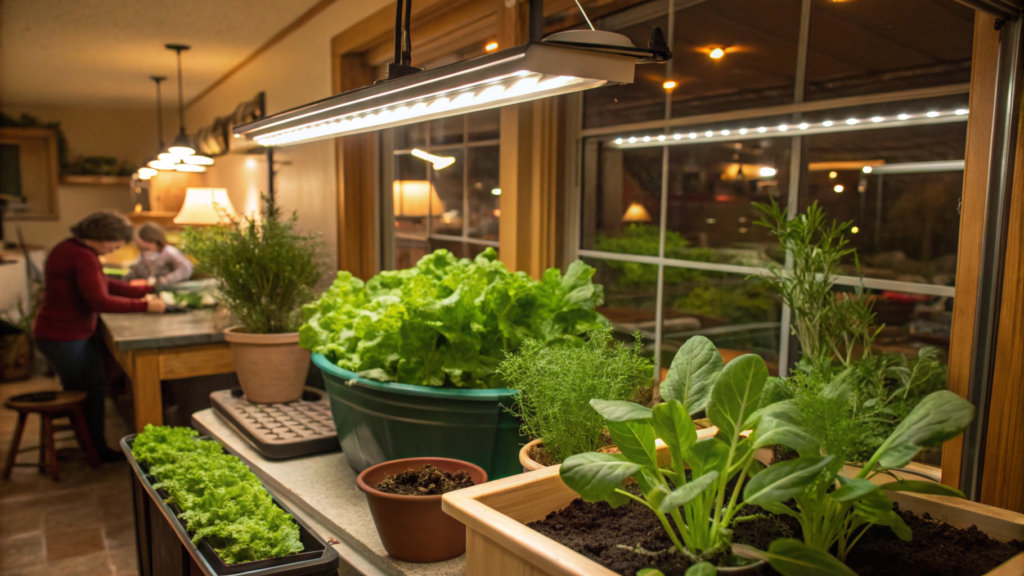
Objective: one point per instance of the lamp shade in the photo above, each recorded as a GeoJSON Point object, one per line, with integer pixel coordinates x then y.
{"type": "Point", "coordinates": [636, 213]}
{"type": "Point", "coordinates": [416, 199]}
{"type": "Point", "coordinates": [182, 146]}
{"type": "Point", "coordinates": [206, 206]}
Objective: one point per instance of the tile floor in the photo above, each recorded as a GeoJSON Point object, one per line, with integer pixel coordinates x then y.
{"type": "Point", "coordinates": [82, 524]}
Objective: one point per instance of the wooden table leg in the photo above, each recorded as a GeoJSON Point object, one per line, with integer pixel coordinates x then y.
{"type": "Point", "coordinates": [146, 389]}
{"type": "Point", "coordinates": [22, 416]}
{"type": "Point", "coordinates": [51, 447]}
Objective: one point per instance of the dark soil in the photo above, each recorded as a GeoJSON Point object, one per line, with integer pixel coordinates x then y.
{"type": "Point", "coordinates": [428, 481]}
{"type": "Point", "coordinates": [937, 549]}
{"type": "Point", "coordinates": [629, 538]}
{"type": "Point", "coordinates": [540, 455]}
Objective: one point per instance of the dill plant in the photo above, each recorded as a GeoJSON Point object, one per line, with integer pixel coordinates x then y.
{"type": "Point", "coordinates": [556, 384]}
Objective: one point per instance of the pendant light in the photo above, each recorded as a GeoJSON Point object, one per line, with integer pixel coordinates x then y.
{"type": "Point", "coordinates": [157, 162]}
{"type": "Point", "coordinates": [184, 149]}
{"type": "Point", "coordinates": [561, 63]}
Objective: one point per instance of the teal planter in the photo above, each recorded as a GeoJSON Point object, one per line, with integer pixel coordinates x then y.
{"type": "Point", "coordinates": [382, 421]}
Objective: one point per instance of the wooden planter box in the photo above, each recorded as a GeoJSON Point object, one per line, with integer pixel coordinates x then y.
{"type": "Point", "coordinates": [498, 542]}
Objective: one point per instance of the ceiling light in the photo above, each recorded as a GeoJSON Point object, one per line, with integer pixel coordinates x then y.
{"type": "Point", "coordinates": [168, 157]}
{"type": "Point", "coordinates": [564, 62]}
{"type": "Point", "coordinates": [866, 170]}
{"type": "Point", "coordinates": [833, 174]}
{"type": "Point", "coordinates": [161, 165]}
{"type": "Point", "coordinates": [439, 162]}
{"type": "Point", "coordinates": [669, 84]}
{"type": "Point", "coordinates": [496, 191]}
{"type": "Point", "coordinates": [183, 145]}
{"type": "Point", "coordinates": [198, 160]}
{"type": "Point", "coordinates": [855, 230]}
{"type": "Point", "coordinates": [145, 173]}
{"type": "Point", "coordinates": [767, 172]}
{"type": "Point", "coordinates": [839, 188]}
{"type": "Point", "coordinates": [491, 47]}
{"type": "Point", "coordinates": [716, 53]}
{"type": "Point", "coordinates": [189, 168]}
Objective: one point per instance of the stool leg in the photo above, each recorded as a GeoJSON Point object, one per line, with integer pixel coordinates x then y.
{"type": "Point", "coordinates": [14, 445]}
{"type": "Point", "coordinates": [42, 444]}
{"type": "Point", "coordinates": [51, 447]}
{"type": "Point", "coordinates": [84, 440]}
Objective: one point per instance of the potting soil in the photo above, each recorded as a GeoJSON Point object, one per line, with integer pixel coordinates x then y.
{"type": "Point", "coordinates": [428, 481]}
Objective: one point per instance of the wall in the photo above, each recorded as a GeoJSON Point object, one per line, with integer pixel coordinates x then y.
{"type": "Point", "coordinates": [126, 133]}
{"type": "Point", "coordinates": [292, 72]}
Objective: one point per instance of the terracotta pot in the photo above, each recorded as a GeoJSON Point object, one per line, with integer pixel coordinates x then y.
{"type": "Point", "coordinates": [414, 528]}
{"type": "Point", "coordinates": [529, 464]}
{"type": "Point", "coordinates": [271, 368]}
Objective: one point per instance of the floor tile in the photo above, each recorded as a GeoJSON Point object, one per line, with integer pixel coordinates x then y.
{"type": "Point", "coordinates": [120, 536]}
{"type": "Point", "coordinates": [97, 564]}
{"type": "Point", "coordinates": [70, 543]}
{"type": "Point", "coordinates": [21, 551]}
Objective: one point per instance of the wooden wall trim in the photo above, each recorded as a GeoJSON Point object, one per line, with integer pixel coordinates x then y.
{"type": "Point", "coordinates": [972, 219]}
{"type": "Point", "coordinates": [1003, 474]}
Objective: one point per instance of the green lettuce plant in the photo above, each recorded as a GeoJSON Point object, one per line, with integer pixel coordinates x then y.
{"type": "Point", "coordinates": [556, 383]}
{"type": "Point", "coordinates": [448, 321]}
{"type": "Point", "coordinates": [692, 492]}
{"type": "Point", "coordinates": [835, 511]}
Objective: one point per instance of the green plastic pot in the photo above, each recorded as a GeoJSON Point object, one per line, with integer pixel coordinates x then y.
{"type": "Point", "coordinates": [382, 421]}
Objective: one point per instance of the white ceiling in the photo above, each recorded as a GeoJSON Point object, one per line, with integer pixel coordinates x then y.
{"type": "Point", "coordinates": [102, 52]}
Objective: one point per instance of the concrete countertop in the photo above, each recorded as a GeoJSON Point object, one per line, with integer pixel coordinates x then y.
{"type": "Point", "coordinates": [146, 331]}
{"type": "Point", "coordinates": [322, 489]}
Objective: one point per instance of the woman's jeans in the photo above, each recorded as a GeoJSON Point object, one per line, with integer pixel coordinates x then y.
{"type": "Point", "coordinates": [80, 367]}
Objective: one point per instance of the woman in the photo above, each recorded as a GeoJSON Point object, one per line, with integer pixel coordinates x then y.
{"type": "Point", "coordinates": [75, 291]}
{"type": "Point", "coordinates": [160, 263]}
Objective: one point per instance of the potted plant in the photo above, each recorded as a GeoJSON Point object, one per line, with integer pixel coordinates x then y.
{"type": "Point", "coordinates": [405, 501]}
{"type": "Point", "coordinates": [17, 350]}
{"type": "Point", "coordinates": [410, 357]}
{"type": "Point", "coordinates": [556, 385]}
{"type": "Point", "coordinates": [266, 272]}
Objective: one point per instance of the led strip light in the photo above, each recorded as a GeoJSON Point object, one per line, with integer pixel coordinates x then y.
{"type": "Point", "coordinates": [792, 129]}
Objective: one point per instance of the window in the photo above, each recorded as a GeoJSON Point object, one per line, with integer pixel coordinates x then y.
{"type": "Point", "coordinates": [667, 178]}
{"type": "Point", "coordinates": [443, 179]}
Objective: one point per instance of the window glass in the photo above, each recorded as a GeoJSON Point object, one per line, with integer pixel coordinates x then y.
{"type": "Point", "coordinates": [484, 192]}
{"type": "Point", "coordinates": [484, 125]}
{"type": "Point", "coordinates": [408, 251]}
{"type": "Point", "coordinates": [905, 224]}
{"type": "Point", "coordinates": [739, 314]}
{"type": "Point", "coordinates": [412, 193]}
{"type": "Point", "coordinates": [630, 295]}
{"type": "Point", "coordinates": [411, 136]}
{"type": "Point", "coordinates": [447, 213]}
{"type": "Point", "coordinates": [733, 54]}
{"type": "Point", "coordinates": [871, 46]}
{"type": "Point", "coordinates": [446, 130]}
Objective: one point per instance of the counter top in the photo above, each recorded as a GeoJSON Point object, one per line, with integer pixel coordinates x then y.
{"type": "Point", "coordinates": [144, 331]}
{"type": "Point", "coordinates": [322, 489]}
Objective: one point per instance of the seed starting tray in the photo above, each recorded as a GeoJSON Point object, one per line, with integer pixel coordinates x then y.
{"type": "Point", "coordinates": [280, 431]}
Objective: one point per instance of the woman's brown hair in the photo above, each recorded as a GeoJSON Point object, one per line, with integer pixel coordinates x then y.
{"type": "Point", "coordinates": [153, 234]}
{"type": "Point", "coordinates": [103, 227]}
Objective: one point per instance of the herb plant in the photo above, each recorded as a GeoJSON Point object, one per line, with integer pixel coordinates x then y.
{"type": "Point", "coordinates": [696, 502]}
{"type": "Point", "coordinates": [267, 270]}
{"type": "Point", "coordinates": [835, 511]}
{"type": "Point", "coordinates": [220, 498]}
{"type": "Point", "coordinates": [556, 383]}
{"type": "Point", "coordinates": [447, 321]}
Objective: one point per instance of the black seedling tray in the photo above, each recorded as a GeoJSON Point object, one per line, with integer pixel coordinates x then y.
{"type": "Point", "coordinates": [284, 430]}
{"type": "Point", "coordinates": [318, 558]}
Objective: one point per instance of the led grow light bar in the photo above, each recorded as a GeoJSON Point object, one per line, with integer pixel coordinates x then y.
{"type": "Point", "coordinates": [518, 74]}
{"type": "Point", "coordinates": [790, 129]}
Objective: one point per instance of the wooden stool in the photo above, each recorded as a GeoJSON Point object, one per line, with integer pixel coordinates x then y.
{"type": "Point", "coordinates": [50, 405]}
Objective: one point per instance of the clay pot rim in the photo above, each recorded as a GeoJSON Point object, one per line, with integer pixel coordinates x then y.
{"type": "Point", "coordinates": [238, 335]}
{"type": "Point", "coordinates": [524, 455]}
{"type": "Point", "coordinates": [371, 491]}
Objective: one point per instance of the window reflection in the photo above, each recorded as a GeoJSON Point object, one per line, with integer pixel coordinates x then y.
{"type": "Point", "coordinates": [622, 199]}
{"type": "Point", "coordinates": [630, 298]}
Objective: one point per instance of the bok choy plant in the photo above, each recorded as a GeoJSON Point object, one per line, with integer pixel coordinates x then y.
{"type": "Point", "coordinates": [700, 508]}
{"type": "Point", "coordinates": [835, 511]}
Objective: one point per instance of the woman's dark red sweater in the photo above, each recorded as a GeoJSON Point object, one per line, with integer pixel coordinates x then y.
{"type": "Point", "coordinates": [77, 290]}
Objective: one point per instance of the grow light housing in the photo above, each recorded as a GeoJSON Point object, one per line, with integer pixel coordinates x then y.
{"type": "Point", "coordinates": [518, 74]}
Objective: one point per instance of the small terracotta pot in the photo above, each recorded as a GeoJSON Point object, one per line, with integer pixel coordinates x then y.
{"type": "Point", "coordinates": [414, 528]}
{"type": "Point", "coordinates": [271, 367]}
{"type": "Point", "coordinates": [664, 457]}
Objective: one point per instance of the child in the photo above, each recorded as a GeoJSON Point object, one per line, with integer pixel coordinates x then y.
{"type": "Point", "coordinates": [160, 263]}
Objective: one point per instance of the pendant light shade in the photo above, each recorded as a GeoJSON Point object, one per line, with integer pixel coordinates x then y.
{"type": "Point", "coordinates": [160, 165]}
{"type": "Point", "coordinates": [161, 159]}
{"type": "Point", "coordinates": [558, 65]}
{"type": "Point", "coordinates": [183, 145]}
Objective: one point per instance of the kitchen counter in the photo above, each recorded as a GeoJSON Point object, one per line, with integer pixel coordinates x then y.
{"type": "Point", "coordinates": [141, 331]}
{"type": "Point", "coordinates": [322, 490]}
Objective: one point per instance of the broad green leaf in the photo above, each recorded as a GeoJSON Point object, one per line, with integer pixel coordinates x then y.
{"type": "Point", "coordinates": [736, 395]}
{"type": "Point", "coordinates": [791, 557]}
{"type": "Point", "coordinates": [699, 569]}
{"type": "Point", "coordinates": [853, 489]}
{"type": "Point", "coordinates": [783, 480]}
{"type": "Point", "coordinates": [673, 425]}
{"type": "Point", "coordinates": [922, 487]}
{"type": "Point", "coordinates": [780, 509]}
{"type": "Point", "coordinates": [707, 454]}
{"type": "Point", "coordinates": [620, 410]}
{"type": "Point", "coordinates": [884, 517]}
{"type": "Point", "coordinates": [783, 426]}
{"type": "Point", "coordinates": [595, 476]}
{"type": "Point", "coordinates": [686, 492]}
{"type": "Point", "coordinates": [649, 572]}
{"type": "Point", "coordinates": [938, 417]}
{"type": "Point", "coordinates": [692, 374]}
{"type": "Point", "coordinates": [635, 440]}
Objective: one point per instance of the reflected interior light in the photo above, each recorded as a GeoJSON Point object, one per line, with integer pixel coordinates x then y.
{"type": "Point", "coordinates": [711, 220]}
{"type": "Point", "coordinates": [803, 125]}
{"type": "Point", "coordinates": [678, 136]}
{"type": "Point", "coordinates": [826, 123]}
{"type": "Point", "coordinates": [783, 127]}
{"type": "Point", "coordinates": [669, 84]}
{"type": "Point", "coordinates": [744, 229]}
{"type": "Point", "coordinates": [716, 53]}
{"type": "Point", "coordinates": [853, 121]}
{"type": "Point", "coordinates": [866, 170]}
{"type": "Point", "coordinates": [762, 129]}
{"type": "Point", "coordinates": [439, 162]}
{"type": "Point", "coordinates": [903, 116]}
{"type": "Point", "coordinates": [839, 188]}
{"type": "Point", "coordinates": [961, 112]}
{"type": "Point", "coordinates": [743, 130]}
{"type": "Point", "coordinates": [496, 191]}
{"type": "Point", "coordinates": [833, 174]}
{"type": "Point", "coordinates": [855, 230]}
{"type": "Point", "coordinates": [767, 171]}
{"type": "Point", "coordinates": [725, 132]}
{"type": "Point", "coordinates": [618, 140]}
{"type": "Point", "coordinates": [877, 119]}
{"type": "Point", "coordinates": [693, 134]}
{"type": "Point", "coordinates": [932, 114]}
{"type": "Point", "coordinates": [647, 138]}
{"type": "Point", "coordinates": [491, 47]}
{"type": "Point", "coordinates": [709, 133]}
{"type": "Point", "coordinates": [661, 138]}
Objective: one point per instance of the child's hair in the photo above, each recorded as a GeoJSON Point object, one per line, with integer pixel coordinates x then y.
{"type": "Point", "coordinates": [153, 234]}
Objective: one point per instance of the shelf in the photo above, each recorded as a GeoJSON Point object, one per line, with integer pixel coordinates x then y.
{"type": "Point", "coordinates": [95, 180]}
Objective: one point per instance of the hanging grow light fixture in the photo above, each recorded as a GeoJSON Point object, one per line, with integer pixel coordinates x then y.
{"type": "Point", "coordinates": [561, 63]}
